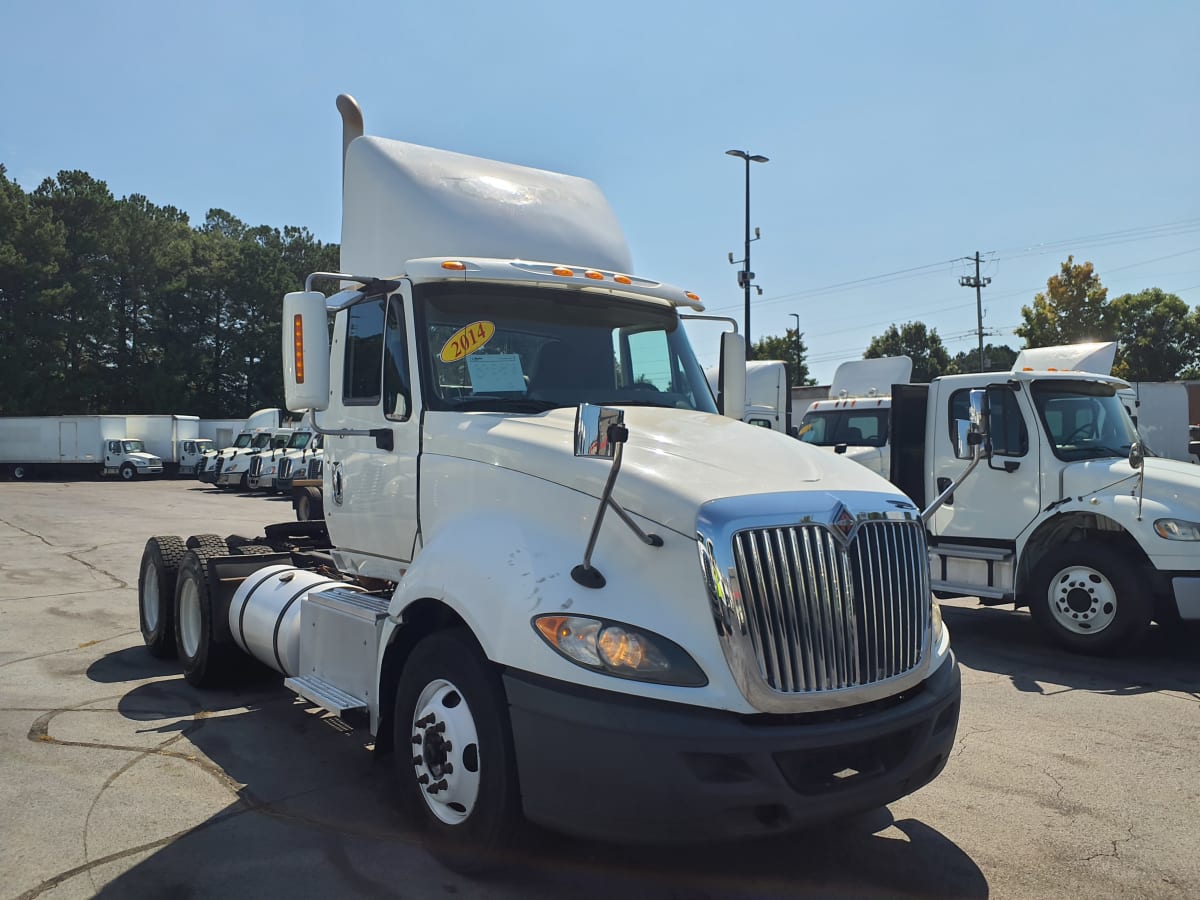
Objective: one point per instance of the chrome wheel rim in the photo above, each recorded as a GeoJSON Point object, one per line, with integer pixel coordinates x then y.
{"type": "Point", "coordinates": [445, 747]}
{"type": "Point", "coordinates": [150, 611]}
{"type": "Point", "coordinates": [189, 618]}
{"type": "Point", "coordinates": [1082, 600]}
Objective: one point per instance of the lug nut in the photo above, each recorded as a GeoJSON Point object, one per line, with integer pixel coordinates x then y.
{"type": "Point", "coordinates": [416, 739]}
{"type": "Point", "coordinates": [417, 760]}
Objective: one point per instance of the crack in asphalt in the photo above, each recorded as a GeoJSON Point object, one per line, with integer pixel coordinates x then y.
{"type": "Point", "coordinates": [1115, 853]}
{"type": "Point", "coordinates": [962, 738]}
{"type": "Point", "coordinates": [244, 799]}
{"type": "Point", "coordinates": [26, 532]}
{"type": "Point", "coordinates": [13, 662]}
{"type": "Point", "coordinates": [1061, 787]}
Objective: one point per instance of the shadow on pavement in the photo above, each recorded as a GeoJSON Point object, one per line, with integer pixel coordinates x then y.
{"type": "Point", "coordinates": [310, 814]}
{"type": "Point", "coordinates": [1008, 643]}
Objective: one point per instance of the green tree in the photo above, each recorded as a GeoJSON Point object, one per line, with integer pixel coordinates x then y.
{"type": "Point", "coordinates": [791, 349]}
{"type": "Point", "coordinates": [912, 339]}
{"type": "Point", "coordinates": [996, 358]}
{"type": "Point", "coordinates": [1073, 309]}
{"type": "Point", "coordinates": [1158, 337]}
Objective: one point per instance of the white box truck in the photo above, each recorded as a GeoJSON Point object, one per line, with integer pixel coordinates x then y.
{"type": "Point", "coordinates": [543, 564]}
{"type": "Point", "coordinates": [1067, 517]}
{"type": "Point", "coordinates": [79, 445]}
{"type": "Point", "coordinates": [174, 439]}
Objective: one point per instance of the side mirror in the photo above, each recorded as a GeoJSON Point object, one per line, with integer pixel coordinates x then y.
{"type": "Point", "coordinates": [1136, 456]}
{"type": "Point", "coordinates": [731, 383]}
{"type": "Point", "coordinates": [972, 437]}
{"type": "Point", "coordinates": [592, 425]}
{"type": "Point", "coordinates": [305, 351]}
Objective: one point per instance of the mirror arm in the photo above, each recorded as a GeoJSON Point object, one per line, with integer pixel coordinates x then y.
{"type": "Point", "coordinates": [650, 540]}
{"type": "Point", "coordinates": [384, 438]}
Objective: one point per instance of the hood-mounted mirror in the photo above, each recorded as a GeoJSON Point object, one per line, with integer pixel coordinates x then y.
{"type": "Point", "coordinates": [600, 433]}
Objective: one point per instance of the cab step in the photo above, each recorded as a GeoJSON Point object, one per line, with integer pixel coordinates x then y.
{"type": "Point", "coordinates": [324, 694]}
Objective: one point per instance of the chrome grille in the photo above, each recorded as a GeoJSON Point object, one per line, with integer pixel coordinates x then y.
{"type": "Point", "coordinates": [256, 466]}
{"type": "Point", "coordinates": [285, 469]}
{"type": "Point", "coordinates": [314, 468]}
{"type": "Point", "coordinates": [219, 465]}
{"type": "Point", "coordinates": [823, 615]}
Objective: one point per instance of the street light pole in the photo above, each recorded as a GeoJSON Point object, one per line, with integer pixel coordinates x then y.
{"type": "Point", "coordinates": [797, 373]}
{"type": "Point", "coordinates": [745, 276]}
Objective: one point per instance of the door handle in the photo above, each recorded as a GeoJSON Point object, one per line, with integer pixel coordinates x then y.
{"type": "Point", "coordinates": [942, 484]}
{"type": "Point", "coordinates": [336, 478]}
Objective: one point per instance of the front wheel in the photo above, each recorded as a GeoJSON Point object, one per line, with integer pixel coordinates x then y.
{"type": "Point", "coordinates": [454, 752]}
{"type": "Point", "coordinates": [128, 472]}
{"type": "Point", "coordinates": [1086, 599]}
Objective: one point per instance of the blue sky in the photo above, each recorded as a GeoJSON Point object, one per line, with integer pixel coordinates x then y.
{"type": "Point", "coordinates": [901, 135]}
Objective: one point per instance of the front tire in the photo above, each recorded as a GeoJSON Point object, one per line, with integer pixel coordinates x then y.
{"type": "Point", "coordinates": [20, 472]}
{"type": "Point", "coordinates": [454, 752]}
{"type": "Point", "coordinates": [156, 593]}
{"type": "Point", "coordinates": [1086, 599]}
{"type": "Point", "coordinates": [210, 657]}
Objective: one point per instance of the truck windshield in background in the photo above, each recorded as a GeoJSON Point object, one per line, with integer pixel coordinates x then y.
{"type": "Point", "coordinates": [1083, 419]}
{"type": "Point", "coordinates": [133, 447]}
{"type": "Point", "coordinates": [852, 427]}
{"type": "Point", "coordinates": [299, 440]}
{"type": "Point", "coordinates": [515, 349]}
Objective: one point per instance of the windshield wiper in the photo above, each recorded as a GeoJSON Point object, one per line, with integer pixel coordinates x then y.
{"type": "Point", "coordinates": [503, 404]}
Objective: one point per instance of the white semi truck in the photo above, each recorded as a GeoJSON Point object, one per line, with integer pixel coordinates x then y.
{"type": "Point", "coordinates": [554, 581]}
{"type": "Point", "coordinates": [258, 422]}
{"type": "Point", "coordinates": [84, 445]}
{"type": "Point", "coordinates": [856, 417]}
{"type": "Point", "coordinates": [266, 465]}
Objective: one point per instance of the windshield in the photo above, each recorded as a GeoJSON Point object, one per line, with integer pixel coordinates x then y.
{"type": "Point", "coordinates": [1083, 419]}
{"type": "Point", "coordinates": [203, 444]}
{"type": "Point", "coordinates": [855, 428]}
{"type": "Point", "coordinates": [133, 446]}
{"type": "Point", "coordinates": [243, 440]}
{"type": "Point", "coordinates": [260, 441]}
{"type": "Point", "coordinates": [299, 440]}
{"type": "Point", "coordinates": [527, 349]}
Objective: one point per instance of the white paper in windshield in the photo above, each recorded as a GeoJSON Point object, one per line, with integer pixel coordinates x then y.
{"type": "Point", "coordinates": [494, 372]}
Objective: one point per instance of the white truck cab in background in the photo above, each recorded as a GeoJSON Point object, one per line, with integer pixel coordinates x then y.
{"type": "Point", "coordinates": [547, 560]}
{"type": "Point", "coordinates": [1066, 516]}
{"type": "Point", "coordinates": [855, 420]}
{"type": "Point", "coordinates": [262, 420]}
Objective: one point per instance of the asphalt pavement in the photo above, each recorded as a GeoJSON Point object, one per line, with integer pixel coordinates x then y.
{"type": "Point", "coordinates": [1072, 777]}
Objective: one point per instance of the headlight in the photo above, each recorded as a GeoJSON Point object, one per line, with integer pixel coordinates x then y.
{"type": "Point", "coordinates": [618, 649]}
{"type": "Point", "coordinates": [1177, 530]}
{"type": "Point", "coordinates": [939, 627]}
{"type": "Point", "coordinates": [140, 462]}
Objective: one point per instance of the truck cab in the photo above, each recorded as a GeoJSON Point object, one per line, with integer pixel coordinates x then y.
{"type": "Point", "coordinates": [193, 453]}
{"type": "Point", "coordinates": [234, 469]}
{"type": "Point", "coordinates": [128, 459]}
{"type": "Point", "coordinates": [1067, 516]}
{"type": "Point", "coordinates": [548, 556]}
{"type": "Point", "coordinates": [266, 466]}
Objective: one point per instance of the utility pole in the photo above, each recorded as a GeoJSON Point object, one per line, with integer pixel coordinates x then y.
{"type": "Point", "coordinates": [979, 284]}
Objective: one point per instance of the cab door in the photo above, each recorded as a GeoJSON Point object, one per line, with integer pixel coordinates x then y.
{"type": "Point", "coordinates": [1003, 495]}
{"type": "Point", "coordinates": [371, 476]}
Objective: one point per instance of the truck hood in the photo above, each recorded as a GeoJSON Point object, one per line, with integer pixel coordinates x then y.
{"type": "Point", "coordinates": [674, 461]}
{"type": "Point", "coordinates": [1168, 481]}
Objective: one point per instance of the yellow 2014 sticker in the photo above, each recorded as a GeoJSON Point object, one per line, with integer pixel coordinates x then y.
{"type": "Point", "coordinates": [466, 341]}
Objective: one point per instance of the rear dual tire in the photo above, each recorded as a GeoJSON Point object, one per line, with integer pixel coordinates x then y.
{"type": "Point", "coordinates": [156, 593]}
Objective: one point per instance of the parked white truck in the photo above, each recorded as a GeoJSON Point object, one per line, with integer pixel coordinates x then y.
{"type": "Point", "coordinates": [1066, 517]}
{"type": "Point", "coordinates": [856, 417]}
{"type": "Point", "coordinates": [258, 422]}
{"type": "Point", "coordinates": [173, 439]}
{"type": "Point", "coordinates": [266, 465]}
{"type": "Point", "coordinates": [84, 445]}
{"type": "Point", "coordinates": [745, 643]}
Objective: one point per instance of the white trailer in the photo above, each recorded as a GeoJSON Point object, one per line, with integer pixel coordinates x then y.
{"type": "Point", "coordinates": [746, 644]}
{"type": "Point", "coordinates": [85, 445]}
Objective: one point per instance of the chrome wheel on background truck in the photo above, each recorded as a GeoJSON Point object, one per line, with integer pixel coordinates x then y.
{"type": "Point", "coordinates": [1087, 599]}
